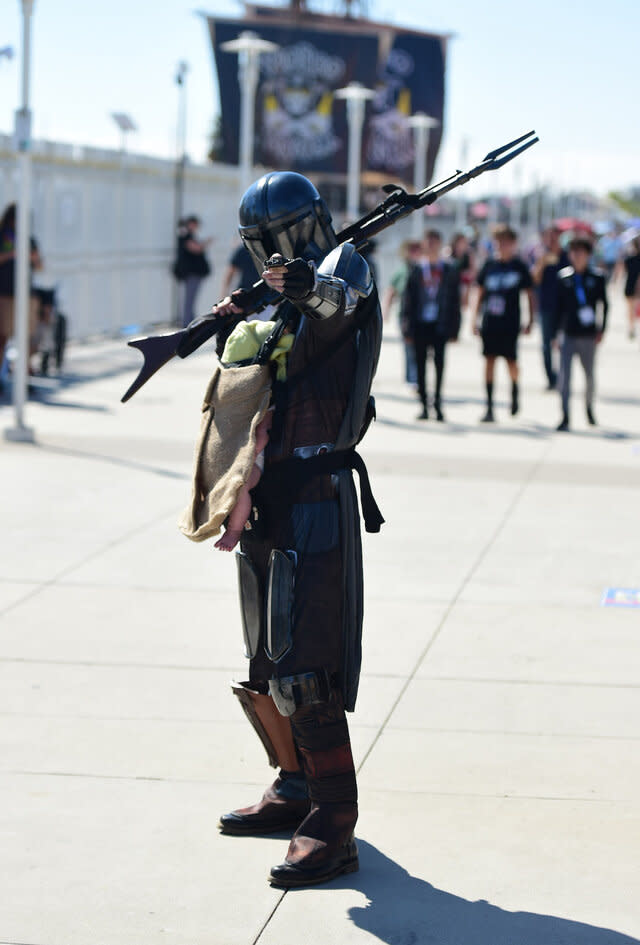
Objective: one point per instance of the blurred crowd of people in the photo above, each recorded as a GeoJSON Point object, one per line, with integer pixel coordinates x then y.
{"type": "Point", "coordinates": [500, 289]}
{"type": "Point", "coordinates": [560, 283]}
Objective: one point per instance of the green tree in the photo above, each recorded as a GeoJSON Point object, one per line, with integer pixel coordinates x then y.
{"type": "Point", "coordinates": [628, 204]}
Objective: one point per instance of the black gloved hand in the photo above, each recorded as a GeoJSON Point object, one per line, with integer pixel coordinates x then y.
{"type": "Point", "coordinates": [299, 279]}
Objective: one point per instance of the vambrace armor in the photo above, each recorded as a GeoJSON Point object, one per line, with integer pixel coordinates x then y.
{"type": "Point", "coordinates": [342, 278]}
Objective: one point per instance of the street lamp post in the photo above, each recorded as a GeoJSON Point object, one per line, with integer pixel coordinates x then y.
{"type": "Point", "coordinates": [534, 204]}
{"type": "Point", "coordinates": [178, 184]}
{"type": "Point", "coordinates": [356, 97]}
{"type": "Point", "coordinates": [21, 432]}
{"type": "Point", "coordinates": [126, 124]}
{"type": "Point", "coordinates": [422, 125]}
{"type": "Point", "coordinates": [547, 206]}
{"type": "Point", "coordinates": [461, 204]}
{"type": "Point", "coordinates": [515, 211]}
{"type": "Point", "coordinates": [249, 47]}
{"type": "Point", "coordinates": [181, 140]}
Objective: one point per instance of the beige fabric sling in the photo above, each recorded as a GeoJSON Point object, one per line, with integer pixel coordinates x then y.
{"type": "Point", "coordinates": [236, 400]}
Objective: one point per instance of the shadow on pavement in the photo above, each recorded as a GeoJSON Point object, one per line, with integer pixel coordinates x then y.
{"type": "Point", "coordinates": [114, 460]}
{"type": "Point", "coordinates": [411, 397]}
{"type": "Point", "coordinates": [405, 910]}
{"type": "Point", "coordinates": [44, 389]}
{"type": "Point", "coordinates": [508, 428]}
{"type": "Point", "coordinates": [73, 405]}
{"type": "Point", "coordinates": [47, 396]}
{"type": "Point", "coordinates": [620, 401]}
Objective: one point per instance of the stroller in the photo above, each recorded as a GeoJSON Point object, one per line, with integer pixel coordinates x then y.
{"type": "Point", "coordinates": [47, 342]}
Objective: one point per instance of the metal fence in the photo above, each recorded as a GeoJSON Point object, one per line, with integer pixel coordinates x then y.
{"type": "Point", "coordinates": [104, 224]}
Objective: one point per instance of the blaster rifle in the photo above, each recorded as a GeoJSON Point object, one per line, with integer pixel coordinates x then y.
{"type": "Point", "coordinates": [157, 350]}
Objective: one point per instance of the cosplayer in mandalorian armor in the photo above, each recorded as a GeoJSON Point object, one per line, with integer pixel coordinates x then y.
{"type": "Point", "coordinates": [300, 564]}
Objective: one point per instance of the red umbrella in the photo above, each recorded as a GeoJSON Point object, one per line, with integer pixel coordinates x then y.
{"type": "Point", "coordinates": [565, 224]}
{"type": "Point", "coordinates": [480, 210]}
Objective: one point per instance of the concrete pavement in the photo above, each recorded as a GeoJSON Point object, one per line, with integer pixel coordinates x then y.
{"type": "Point", "coordinates": [498, 726]}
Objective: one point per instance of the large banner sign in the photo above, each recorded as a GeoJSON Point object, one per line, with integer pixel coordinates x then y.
{"type": "Point", "coordinates": [411, 79]}
{"type": "Point", "coordinates": [300, 124]}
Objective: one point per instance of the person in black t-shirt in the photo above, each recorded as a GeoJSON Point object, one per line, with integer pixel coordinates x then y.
{"type": "Point", "coordinates": [192, 263]}
{"type": "Point", "coordinates": [545, 271]}
{"type": "Point", "coordinates": [632, 284]}
{"type": "Point", "coordinates": [497, 316]}
{"type": "Point", "coordinates": [580, 321]}
{"type": "Point", "coordinates": [241, 272]}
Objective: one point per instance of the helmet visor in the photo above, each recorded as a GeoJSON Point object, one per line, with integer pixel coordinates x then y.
{"type": "Point", "coordinates": [291, 235]}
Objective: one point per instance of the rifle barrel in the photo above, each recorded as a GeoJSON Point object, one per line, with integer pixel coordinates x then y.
{"type": "Point", "coordinates": [400, 204]}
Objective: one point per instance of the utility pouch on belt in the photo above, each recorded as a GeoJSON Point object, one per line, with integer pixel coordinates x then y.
{"type": "Point", "coordinates": [251, 604]}
{"type": "Point", "coordinates": [280, 591]}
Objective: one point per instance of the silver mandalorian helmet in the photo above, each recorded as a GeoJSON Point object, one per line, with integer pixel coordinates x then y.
{"type": "Point", "coordinates": [284, 213]}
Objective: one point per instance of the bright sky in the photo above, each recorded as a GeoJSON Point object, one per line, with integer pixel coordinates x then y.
{"type": "Point", "coordinates": [513, 66]}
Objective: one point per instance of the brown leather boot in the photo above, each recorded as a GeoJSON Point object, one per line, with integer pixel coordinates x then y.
{"type": "Point", "coordinates": [284, 804]}
{"type": "Point", "coordinates": [323, 846]}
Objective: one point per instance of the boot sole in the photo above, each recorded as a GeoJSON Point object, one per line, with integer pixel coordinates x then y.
{"type": "Point", "coordinates": [299, 880]}
{"type": "Point", "coordinates": [255, 830]}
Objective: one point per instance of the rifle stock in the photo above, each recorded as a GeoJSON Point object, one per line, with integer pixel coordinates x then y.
{"type": "Point", "coordinates": [158, 350]}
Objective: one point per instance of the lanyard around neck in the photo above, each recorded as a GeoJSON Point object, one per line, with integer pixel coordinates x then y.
{"type": "Point", "coordinates": [581, 295]}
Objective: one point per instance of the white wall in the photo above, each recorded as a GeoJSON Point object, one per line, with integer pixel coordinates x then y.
{"type": "Point", "coordinates": [104, 224]}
